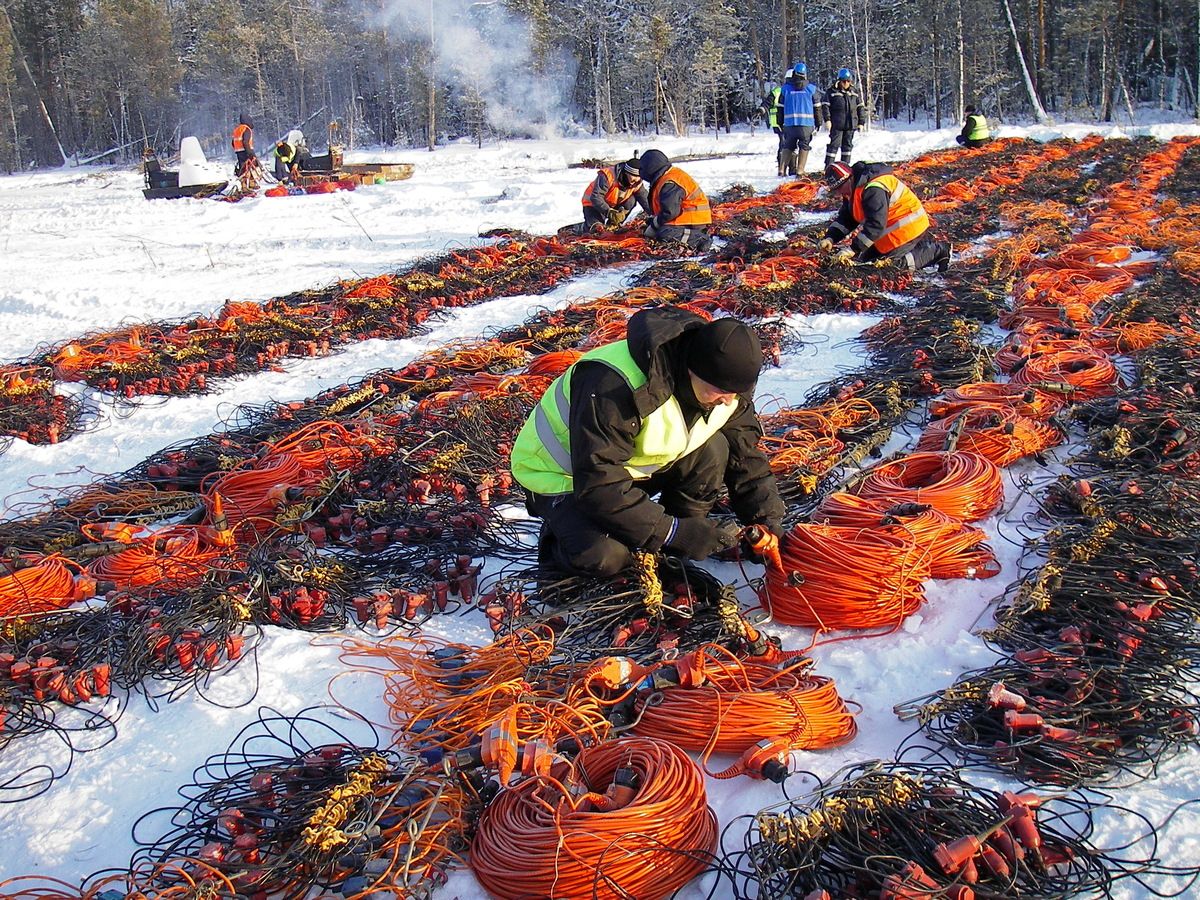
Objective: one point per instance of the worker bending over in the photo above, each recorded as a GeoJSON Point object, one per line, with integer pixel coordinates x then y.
{"type": "Point", "coordinates": [668, 413]}
{"type": "Point", "coordinates": [679, 210]}
{"type": "Point", "coordinates": [612, 195]}
{"type": "Point", "coordinates": [890, 220]}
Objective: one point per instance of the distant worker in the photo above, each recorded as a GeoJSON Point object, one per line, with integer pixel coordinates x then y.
{"type": "Point", "coordinates": [975, 132]}
{"type": "Point", "coordinates": [846, 114]}
{"type": "Point", "coordinates": [612, 195]}
{"type": "Point", "coordinates": [666, 413]}
{"type": "Point", "coordinates": [679, 210]}
{"type": "Point", "coordinates": [771, 108]}
{"type": "Point", "coordinates": [286, 168]}
{"type": "Point", "coordinates": [891, 222]}
{"type": "Point", "coordinates": [243, 144]}
{"type": "Point", "coordinates": [802, 112]}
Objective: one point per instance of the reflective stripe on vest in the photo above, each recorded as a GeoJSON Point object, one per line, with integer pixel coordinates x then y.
{"type": "Point", "coordinates": [979, 128]}
{"type": "Point", "coordinates": [541, 456]}
{"type": "Point", "coordinates": [615, 195]}
{"type": "Point", "coordinates": [906, 217]}
{"type": "Point", "coordinates": [694, 210]}
{"type": "Point", "coordinates": [239, 137]}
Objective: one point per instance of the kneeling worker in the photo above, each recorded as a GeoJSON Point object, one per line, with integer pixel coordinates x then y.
{"type": "Point", "coordinates": [679, 210]}
{"type": "Point", "coordinates": [667, 412]}
{"type": "Point", "coordinates": [892, 222]}
{"type": "Point", "coordinates": [612, 195]}
{"type": "Point", "coordinates": [975, 131]}
{"type": "Point", "coordinates": [286, 166]}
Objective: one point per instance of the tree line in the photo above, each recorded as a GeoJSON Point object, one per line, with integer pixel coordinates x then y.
{"type": "Point", "coordinates": [104, 79]}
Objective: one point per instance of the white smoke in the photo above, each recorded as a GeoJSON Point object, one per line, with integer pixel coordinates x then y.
{"type": "Point", "coordinates": [484, 46]}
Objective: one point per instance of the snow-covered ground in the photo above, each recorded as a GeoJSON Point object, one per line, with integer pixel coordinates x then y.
{"type": "Point", "coordinates": [81, 250]}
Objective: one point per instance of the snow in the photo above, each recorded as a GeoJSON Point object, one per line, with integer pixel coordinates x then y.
{"type": "Point", "coordinates": [82, 251]}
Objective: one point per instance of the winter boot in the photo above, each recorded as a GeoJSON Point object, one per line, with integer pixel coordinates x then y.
{"type": "Point", "coordinates": [789, 162]}
{"type": "Point", "coordinates": [801, 162]}
{"type": "Point", "coordinates": [944, 256]}
{"type": "Point", "coordinates": [829, 158]}
{"type": "Point", "coordinates": [781, 162]}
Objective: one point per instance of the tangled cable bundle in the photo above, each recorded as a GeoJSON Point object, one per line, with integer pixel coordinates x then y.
{"type": "Point", "coordinates": [909, 830]}
{"type": "Point", "coordinates": [1089, 373]}
{"type": "Point", "coordinates": [293, 805]}
{"type": "Point", "coordinates": [847, 578]}
{"type": "Point", "coordinates": [1027, 401]}
{"type": "Point", "coordinates": [628, 819]}
{"type": "Point", "coordinates": [742, 703]}
{"type": "Point", "coordinates": [957, 550]}
{"type": "Point", "coordinates": [1001, 435]}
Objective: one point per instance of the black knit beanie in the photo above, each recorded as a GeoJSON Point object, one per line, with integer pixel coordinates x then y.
{"type": "Point", "coordinates": [726, 354]}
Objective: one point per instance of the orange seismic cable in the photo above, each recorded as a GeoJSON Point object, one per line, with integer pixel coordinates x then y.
{"type": "Point", "coordinates": [1025, 400]}
{"type": "Point", "coordinates": [1090, 373]}
{"type": "Point", "coordinates": [627, 819]}
{"type": "Point", "coordinates": [956, 550]}
{"type": "Point", "coordinates": [40, 586]}
{"type": "Point", "coordinates": [742, 703]}
{"type": "Point", "coordinates": [1000, 435]}
{"type": "Point", "coordinates": [963, 485]}
{"type": "Point", "coordinates": [847, 578]}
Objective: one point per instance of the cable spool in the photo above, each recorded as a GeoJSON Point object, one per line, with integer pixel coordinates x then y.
{"type": "Point", "coordinates": [964, 485]}
{"type": "Point", "coordinates": [646, 836]}
{"type": "Point", "coordinates": [1001, 435]}
{"type": "Point", "coordinates": [745, 702]}
{"type": "Point", "coordinates": [956, 550]}
{"type": "Point", "coordinates": [852, 578]}
{"type": "Point", "coordinates": [1091, 373]}
{"type": "Point", "coordinates": [1025, 400]}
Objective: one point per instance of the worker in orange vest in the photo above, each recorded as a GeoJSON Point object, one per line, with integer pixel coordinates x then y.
{"type": "Point", "coordinates": [243, 143]}
{"type": "Point", "coordinates": [889, 218]}
{"type": "Point", "coordinates": [679, 210]}
{"type": "Point", "coordinates": [612, 195]}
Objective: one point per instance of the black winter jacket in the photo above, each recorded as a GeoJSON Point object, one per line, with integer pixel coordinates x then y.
{"type": "Point", "coordinates": [874, 205]}
{"type": "Point", "coordinates": [640, 197]}
{"type": "Point", "coordinates": [606, 417]}
{"type": "Point", "coordinates": [844, 109]}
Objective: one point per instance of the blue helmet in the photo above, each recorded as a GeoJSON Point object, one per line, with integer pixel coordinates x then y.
{"type": "Point", "coordinates": [845, 75]}
{"type": "Point", "coordinates": [799, 69]}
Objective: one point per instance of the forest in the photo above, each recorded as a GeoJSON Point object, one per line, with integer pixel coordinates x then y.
{"type": "Point", "coordinates": [102, 80]}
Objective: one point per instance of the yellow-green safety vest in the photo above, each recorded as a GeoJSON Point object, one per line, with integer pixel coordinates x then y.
{"type": "Point", "coordinates": [541, 456]}
{"type": "Point", "coordinates": [978, 128]}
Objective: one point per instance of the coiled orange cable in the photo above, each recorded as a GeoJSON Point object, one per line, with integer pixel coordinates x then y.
{"type": "Point", "coordinates": [963, 485]}
{"type": "Point", "coordinates": [543, 839]}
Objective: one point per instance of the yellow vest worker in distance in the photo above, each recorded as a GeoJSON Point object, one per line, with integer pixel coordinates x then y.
{"type": "Point", "coordinates": [975, 131]}
{"type": "Point", "coordinates": [890, 220]}
{"type": "Point", "coordinates": [668, 413]}
{"type": "Point", "coordinates": [679, 209]}
{"type": "Point", "coordinates": [612, 195]}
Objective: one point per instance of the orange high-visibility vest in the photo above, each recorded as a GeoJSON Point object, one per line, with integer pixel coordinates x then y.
{"type": "Point", "coordinates": [695, 209]}
{"type": "Point", "coordinates": [906, 217]}
{"type": "Point", "coordinates": [240, 133]}
{"type": "Point", "coordinates": [615, 195]}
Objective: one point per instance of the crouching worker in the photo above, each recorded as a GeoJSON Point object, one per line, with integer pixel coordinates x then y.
{"type": "Point", "coordinates": [286, 167]}
{"type": "Point", "coordinates": [890, 220]}
{"type": "Point", "coordinates": [612, 195]}
{"type": "Point", "coordinates": [679, 210]}
{"type": "Point", "coordinates": [666, 413]}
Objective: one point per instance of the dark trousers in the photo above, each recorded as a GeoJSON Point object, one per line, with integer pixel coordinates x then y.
{"type": "Point", "coordinates": [843, 139]}
{"type": "Point", "coordinates": [797, 137]}
{"type": "Point", "coordinates": [978, 142]}
{"type": "Point", "coordinates": [919, 253]}
{"type": "Point", "coordinates": [571, 540]}
{"type": "Point", "coordinates": [242, 157]}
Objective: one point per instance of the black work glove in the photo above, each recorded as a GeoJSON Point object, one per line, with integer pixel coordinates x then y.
{"type": "Point", "coordinates": [699, 538]}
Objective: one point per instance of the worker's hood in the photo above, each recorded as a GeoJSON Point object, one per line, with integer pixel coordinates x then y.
{"type": "Point", "coordinates": [653, 344]}
{"type": "Point", "coordinates": [862, 172]}
{"type": "Point", "coordinates": [654, 165]}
